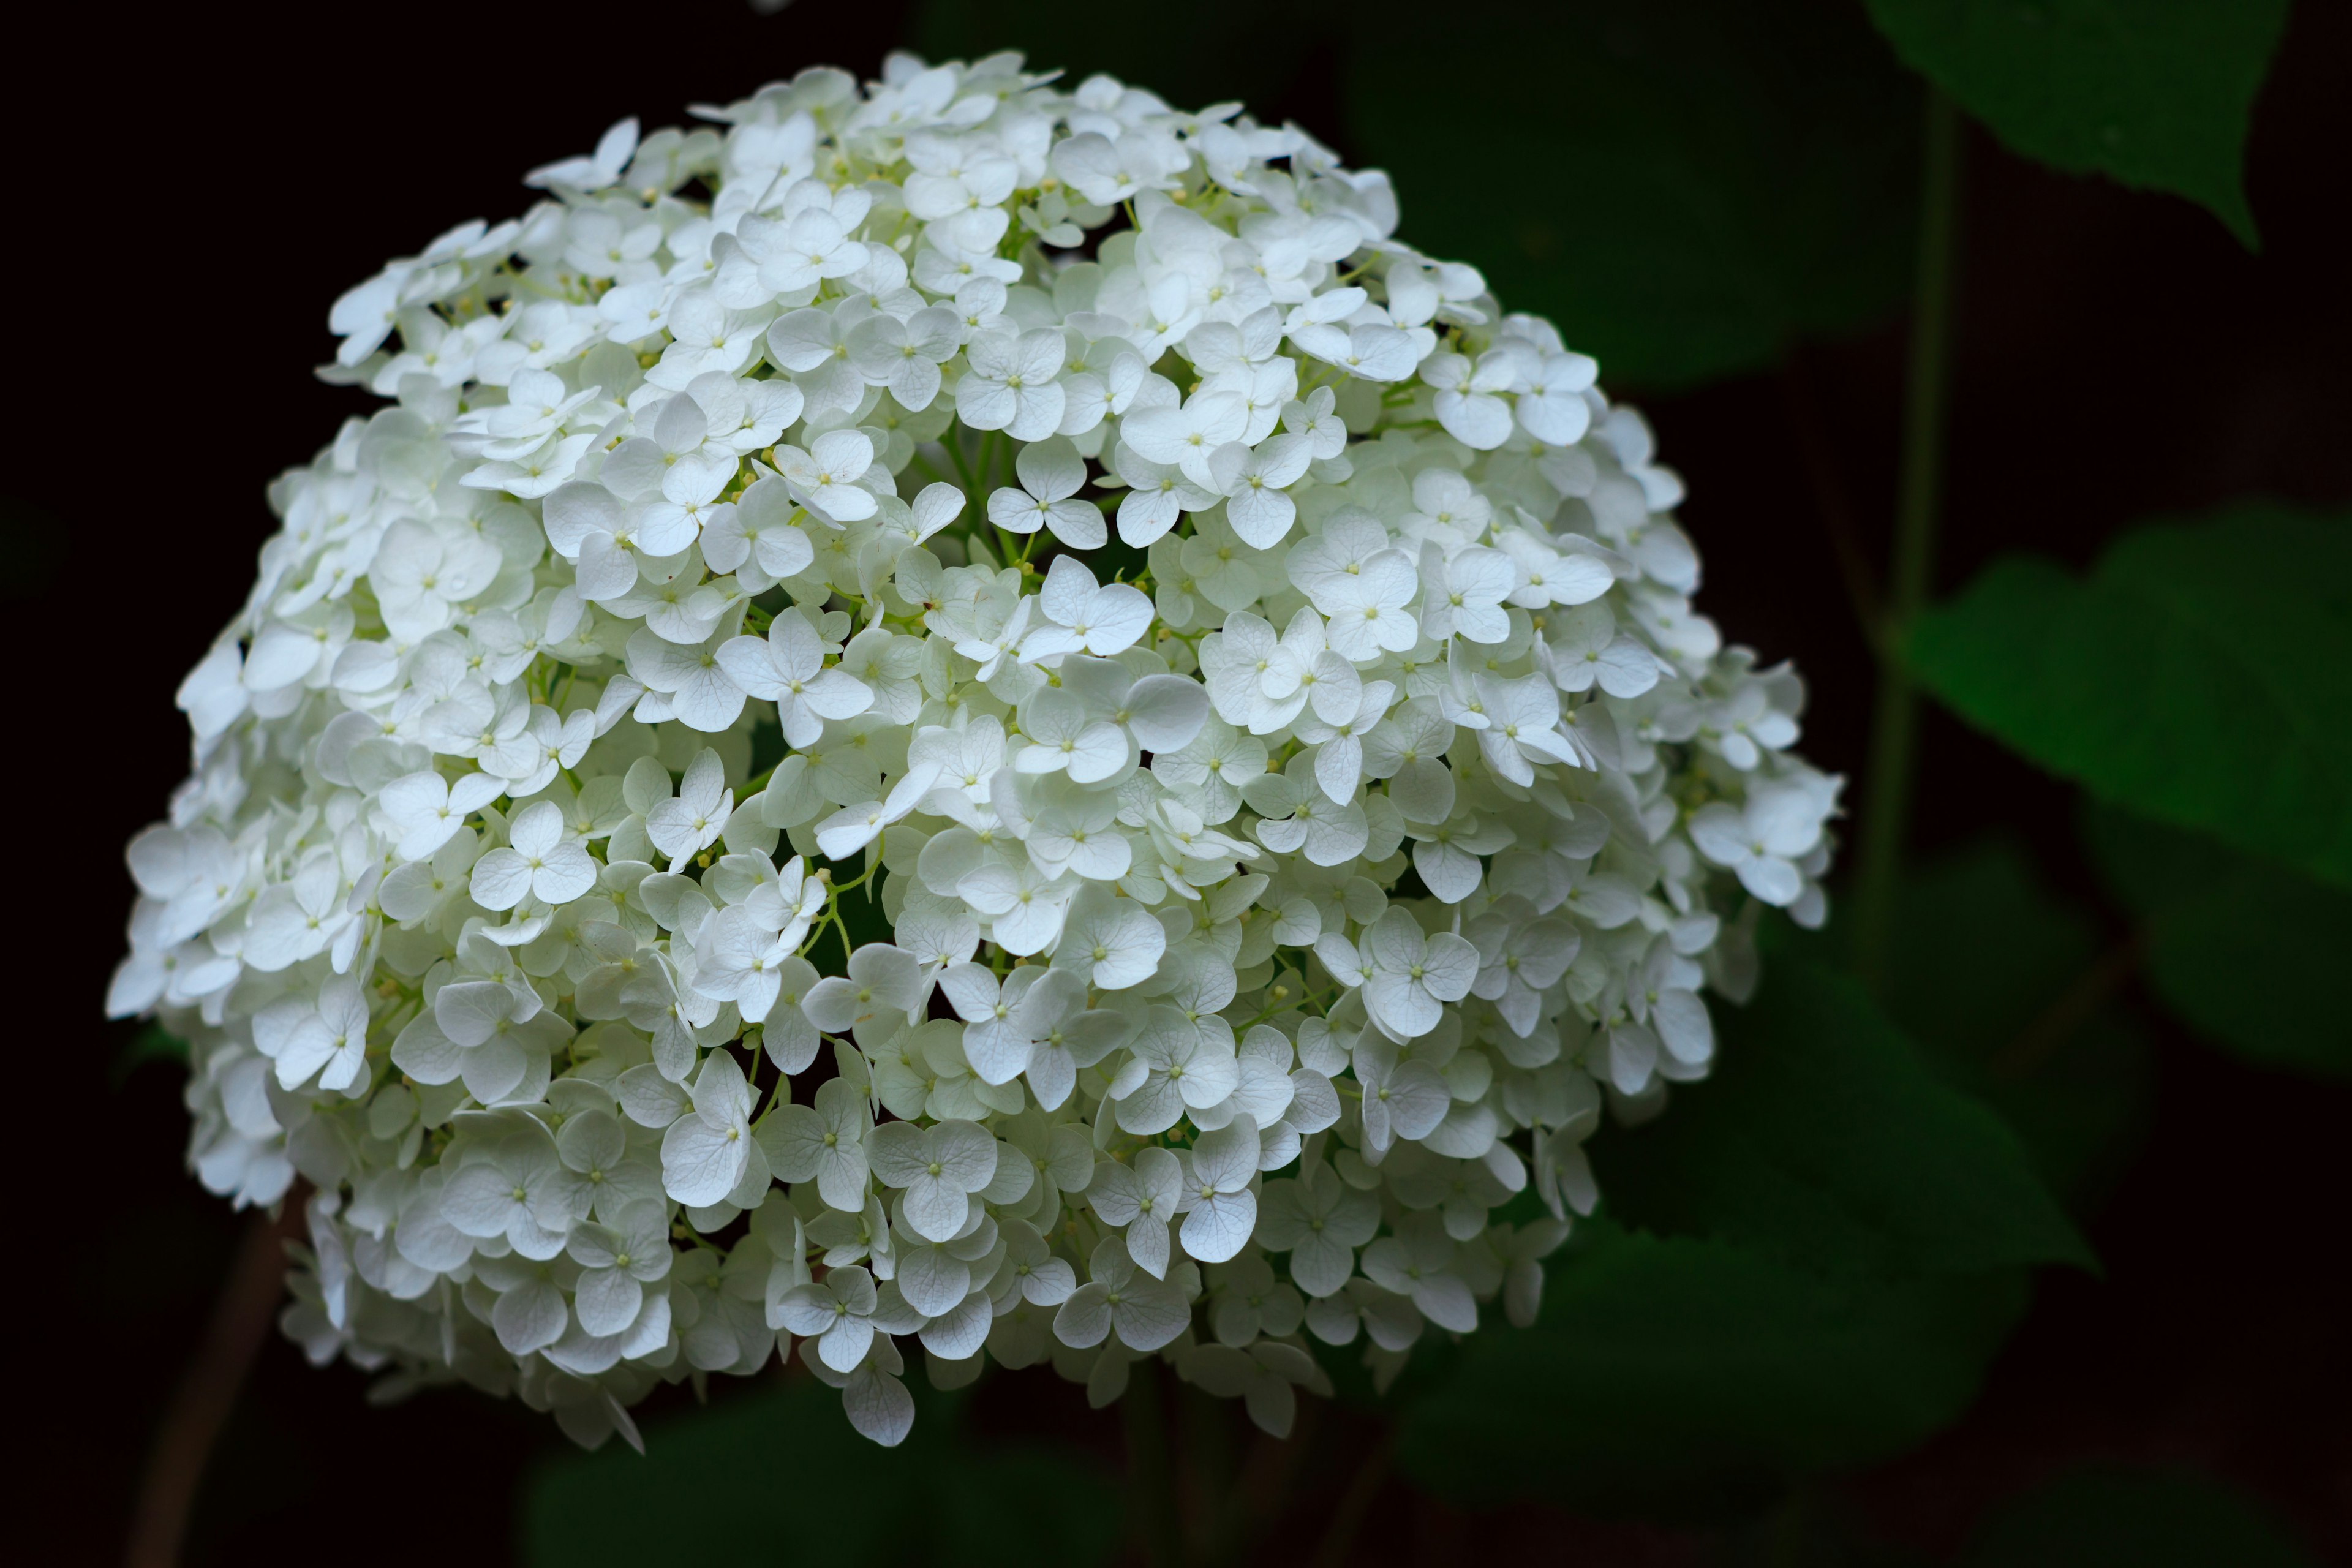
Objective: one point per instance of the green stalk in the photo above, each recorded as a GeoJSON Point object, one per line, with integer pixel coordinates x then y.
{"type": "Point", "coordinates": [1887, 804]}
{"type": "Point", "coordinates": [1152, 1484]}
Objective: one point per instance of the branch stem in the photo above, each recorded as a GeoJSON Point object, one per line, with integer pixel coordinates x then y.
{"type": "Point", "coordinates": [1363, 1490]}
{"type": "Point", "coordinates": [1894, 750]}
{"type": "Point", "coordinates": [1150, 1478]}
{"type": "Point", "coordinates": [184, 1442]}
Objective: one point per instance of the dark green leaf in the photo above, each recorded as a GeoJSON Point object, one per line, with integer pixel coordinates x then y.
{"type": "Point", "coordinates": [2011, 993]}
{"type": "Point", "coordinates": [1696, 1378]}
{"type": "Point", "coordinates": [2155, 94]}
{"type": "Point", "coordinates": [786, 1453]}
{"type": "Point", "coordinates": [2245, 952]}
{"type": "Point", "coordinates": [2201, 676]}
{"type": "Point", "coordinates": [153, 1042]}
{"type": "Point", "coordinates": [1685, 188]}
{"type": "Point", "coordinates": [1823, 1139]}
{"type": "Point", "coordinates": [2147, 1518]}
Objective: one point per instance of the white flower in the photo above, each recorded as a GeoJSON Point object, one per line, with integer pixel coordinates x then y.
{"type": "Point", "coordinates": [1551, 404]}
{"type": "Point", "coordinates": [1109, 942]}
{"type": "Point", "coordinates": [1664, 995]}
{"type": "Point", "coordinates": [837, 1312]}
{"type": "Point", "coordinates": [1142, 1200]}
{"type": "Point", "coordinates": [795, 251]}
{"type": "Point", "coordinates": [1262, 1376]}
{"type": "Point", "coordinates": [1051, 472]}
{"type": "Point", "coordinates": [787, 668]}
{"type": "Point", "coordinates": [1172, 1067]}
{"type": "Point", "coordinates": [882, 989]}
{"type": "Point", "coordinates": [1082, 615]}
{"type": "Point", "coordinates": [904, 356]}
{"type": "Point", "coordinates": [1762, 839]}
{"type": "Point", "coordinates": [825, 478]}
{"type": "Point", "coordinates": [1121, 1298]}
{"type": "Point", "coordinates": [1299, 819]}
{"type": "Point", "coordinates": [1466, 403]}
{"type": "Point", "coordinates": [937, 1168]}
{"type": "Point", "coordinates": [650, 587]}
{"type": "Point", "coordinates": [1254, 481]}
{"type": "Point", "coordinates": [1320, 1221]}
{"type": "Point", "coordinates": [1413, 974]}
{"type": "Point", "coordinates": [1402, 1099]}
{"type": "Point", "coordinates": [1462, 595]}
{"type": "Point", "coordinates": [1066, 1035]}
{"type": "Point", "coordinates": [1219, 1205]}
{"type": "Point", "coordinates": [514, 1189]}
{"type": "Point", "coordinates": [1418, 1262]}
{"type": "Point", "coordinates": [328, 1039]}
{"type": "Point", "coordinates": [1026, 905]}
{"type": "Point", "coordinates": [853, 828]}
{"type": "Point", "coordinates": [1158, 495]}
{"type": "Point", "coordinates": [539, 860]}
{"type": "Point", "coordinates": [1010, 384]}
{"type": "Point", "coordinates": [424, 810]}
{"type": "Point", "coordinates": [824, 1144]}
{"type": "Point", "coordinates": [691, 822]}
{"type": "Point", "coordinates": [1522, 727]}
{"type": "Point", "coordinates": [1189, 436]}
{"type": "Point", "coordinates": [1582, 647]}
{"type": "Point", "coordinates": [618, 1261]}
{"type": "Point", "coordinates": [1519, 962]}
{"type": "Point", "coordinates": [706, 1151]}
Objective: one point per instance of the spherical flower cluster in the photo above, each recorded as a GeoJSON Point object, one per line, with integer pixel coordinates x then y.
{"type": "Point", "coordinates": [1265, 902]}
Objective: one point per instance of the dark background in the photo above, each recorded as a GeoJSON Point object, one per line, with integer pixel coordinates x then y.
{"type": "Point", "coordinates": [194, 188]}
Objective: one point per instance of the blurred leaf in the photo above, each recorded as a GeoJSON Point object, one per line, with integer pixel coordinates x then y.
{"type": "Point", "coordinates": [1192, 64]}
{"type": "Point", "coordinates": [1987, 961]}
{"type": "Point", "coordinates": [768, 746]}
{"type": "Point", "coordinates": [785, 1452]}
{"type": "Point", "coordinates": [1821, 1139]}
{"type": "Point", "coordinates": [2156, 95]}
{"type": "Point", "coordinates": [1696, 1378]}
{"type": "Point", "coordinates": [2147, 1518]}
{"type": "Point", "coordinates": [1686, 187]}
{"type": "Point", "coordinates": [152, 1044]}
{"type": "Point", "coordinates": [2245, 952]}
{"type": "Point", "coordinates": [861, 911]}
{"type": "Point", "coordinates": [2201, 676]}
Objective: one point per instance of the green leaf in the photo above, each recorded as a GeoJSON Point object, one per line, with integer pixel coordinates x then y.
{"type": "Point", "coordinates": [2246, 952]}
{"type": "Point", "coordinates": [153, 1042]}
{"type": "Point", "coordinates": [2011, 991]}
{"type": "Point", "coordinates": [2201, 676]}
{"type": "Point", "coordinates": [1697, 1378]}
{"type": "Point", "coordinates": [785, 1452]}
{"type": "Point", "coordinates": [1686, 188]}
{"type": "Point", "coordinates": [2149, 1518]}
{"type": "Point", "coordinates": [1823, 1139]}
{"type": "Point", "coordinates": [2156, 94]}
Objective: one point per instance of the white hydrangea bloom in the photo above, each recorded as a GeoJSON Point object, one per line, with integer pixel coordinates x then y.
{"type": "Point", "coordinates": [1265, 912]}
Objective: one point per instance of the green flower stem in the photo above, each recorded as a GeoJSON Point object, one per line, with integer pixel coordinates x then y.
{"type": "Point", "coordinates": [1363, 1490]}
{"type": "Point", "coordinates": [954, 449]}
{"type": "Point", "coordinates": [1887, 805]}
{"type": "Point", "coordinates": [1209, 1465]}
{"type": "Point", "coordinates": [1150, 1481]}
{"type": "Point", "coordinates": [207, 1394]}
